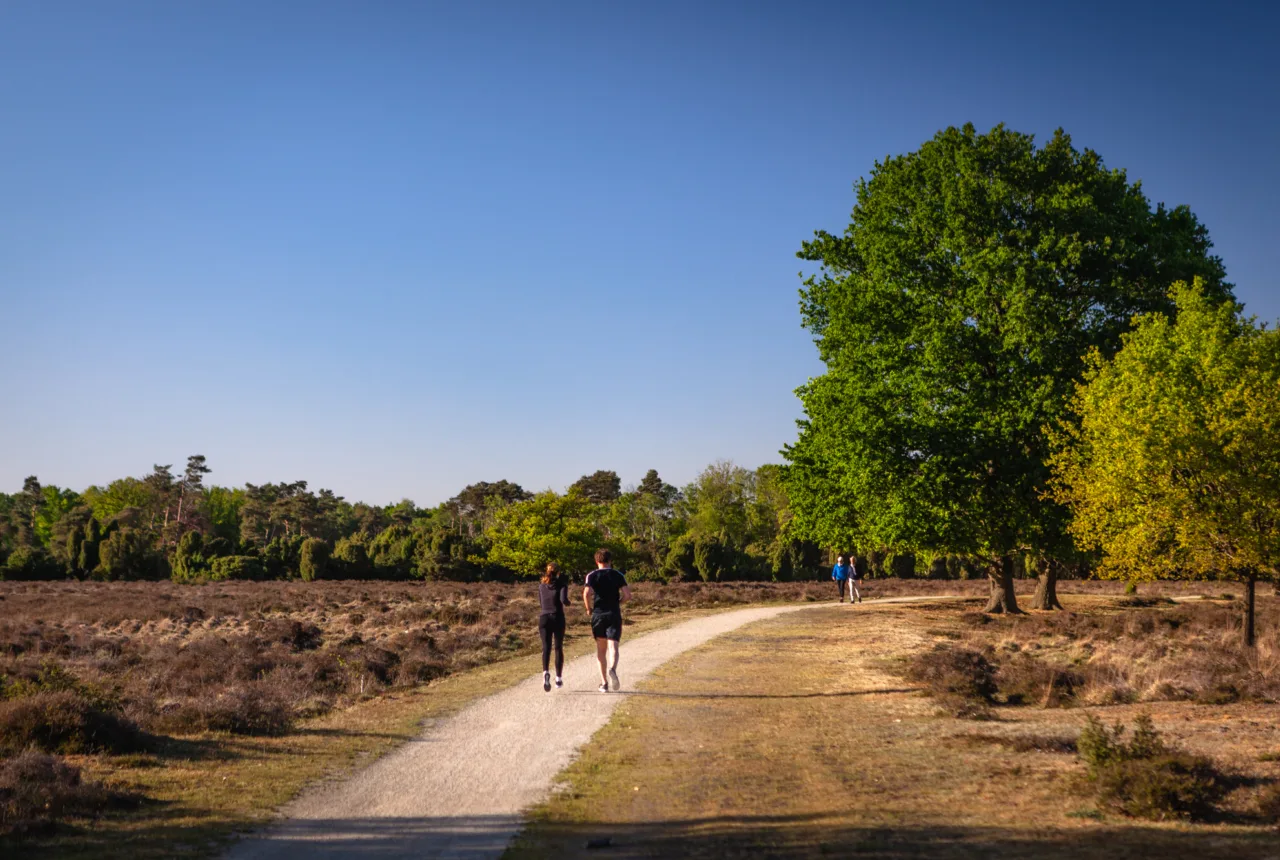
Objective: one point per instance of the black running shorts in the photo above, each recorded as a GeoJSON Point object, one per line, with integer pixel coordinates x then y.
{"type": "Point", "coordinates": [607, 625]}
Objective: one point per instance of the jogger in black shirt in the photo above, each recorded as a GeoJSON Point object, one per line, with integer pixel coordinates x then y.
{"type": "Point", "coordinates": [603, 596]}
{"type": "Point", "coordinates": [553, 595]}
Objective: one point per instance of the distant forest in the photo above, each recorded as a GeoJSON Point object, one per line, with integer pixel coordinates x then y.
{"type": "Point", "coordinates": [729, 523]}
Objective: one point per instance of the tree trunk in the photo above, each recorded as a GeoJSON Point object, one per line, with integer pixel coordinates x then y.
{"type": "Point", "coordinates": [1003, 598]}
{"type": "Point", "coordinates": [1047, 591]}
{"type": "Point", "coordinates": [1250, 595]}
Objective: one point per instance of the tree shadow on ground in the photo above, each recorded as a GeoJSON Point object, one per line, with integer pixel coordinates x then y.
{"type": "Point", "coordinates": [804, 836]}
{"type": "Point", "coordinates": [779, 837]}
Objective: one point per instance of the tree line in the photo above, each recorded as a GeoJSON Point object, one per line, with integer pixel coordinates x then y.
{"type": "Point", "coordinates": [729, 523]}
{"type": "Point", "coordinates": [1029, 364]}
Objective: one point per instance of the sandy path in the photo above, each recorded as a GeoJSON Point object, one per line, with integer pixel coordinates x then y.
{"type": "Point", "coordinates": [459, 789]}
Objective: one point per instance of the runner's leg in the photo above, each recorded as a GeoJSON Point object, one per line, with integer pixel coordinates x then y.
{"type": "Point", "coordinates": [613, 668]}
{"type": "Point", "coordinates": [601, 645]}
{"type": "Point", "coordinates": [559, 643]}
{"type": "Point", "coordinates": [544, 631]}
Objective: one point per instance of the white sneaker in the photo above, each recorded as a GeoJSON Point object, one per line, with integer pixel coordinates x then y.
{"type": "Point", "coordinates": [613, 676]}
{"type": "Point", "coordinates": [603, 688]}
{"type": "Point", "coordinates": [546, 682]}
{"type": "Point", "coordinates": [559, 682]}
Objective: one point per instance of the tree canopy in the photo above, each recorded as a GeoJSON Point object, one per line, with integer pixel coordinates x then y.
{"type": "Point", "coordinates": [953, 316]}
{"type": "Point", "coordinates": [1170, 461]}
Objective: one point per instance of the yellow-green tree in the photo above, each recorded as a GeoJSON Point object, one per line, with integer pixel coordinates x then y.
{"type": "Point", "coordinates": [1172, 464]}
{"type": "Point", "coordinates": [526, 535]}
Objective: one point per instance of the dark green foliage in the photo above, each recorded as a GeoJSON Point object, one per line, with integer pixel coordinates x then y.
{"type": "Point", "coordinates": [902, 565]}
{"type": "Point", "coordinates": [129, 553]}
{"type": "Point", "coordinates": [165, 526]}
{"type": "Point", "coordinates": [236, 567]}
{"type": "Point", "coordinates": [313, 559]}
{"type": "Point", "coordinates": [794, 559]}
{"type": "Point", "coordinates": [679, 563]}
{"type": "Point", "coordinates": [189, 562]}
{"type": "Point", "coordinates": [953, 316]}
{"type": "Point", "coordinates": [601, 486]}
{"type": "Point", "coordinates": [1144, 777]}
{"type": "Point", "coordinates": [654, 487]}
{"type": "Point", "coordinates": [351, 558]}
{"type": "Point", "coordinates": [714, 560]}
{"type": "Point", "coordinates": [27, 563]}
{"type": "Point", "coordinates": [282, 557]}
{"type": "Point", "coordinates": [393, 553]}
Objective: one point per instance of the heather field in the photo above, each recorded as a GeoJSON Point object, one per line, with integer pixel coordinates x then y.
{"type": "Point", "coordinates": [104, 682]}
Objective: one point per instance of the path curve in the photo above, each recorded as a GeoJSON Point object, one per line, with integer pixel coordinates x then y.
{"type": "Point", "coordinates": [458, 790]}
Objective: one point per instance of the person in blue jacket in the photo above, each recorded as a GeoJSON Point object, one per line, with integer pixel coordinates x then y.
{"type": "Point", "coordinates": [842, 573]}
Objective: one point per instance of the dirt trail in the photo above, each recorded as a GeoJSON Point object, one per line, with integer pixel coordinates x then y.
{"type": "Point", "coordinates": [458, 790]}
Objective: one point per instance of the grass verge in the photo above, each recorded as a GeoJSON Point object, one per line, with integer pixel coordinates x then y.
{"type": "Point", "coordinates": [796, 737]}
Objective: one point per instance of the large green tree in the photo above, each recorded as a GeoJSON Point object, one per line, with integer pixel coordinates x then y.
{"type": "Point", "coordinates": [953, 315]}
{"type": "Point", "coordinates": [1171, 462]}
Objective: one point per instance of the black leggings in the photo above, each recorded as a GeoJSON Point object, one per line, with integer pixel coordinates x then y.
{"type": "Point", "coordinates": [551, 629]}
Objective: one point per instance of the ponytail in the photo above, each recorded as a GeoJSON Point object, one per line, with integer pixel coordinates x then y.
{"type": "Point", "coordinates": [551, 574]}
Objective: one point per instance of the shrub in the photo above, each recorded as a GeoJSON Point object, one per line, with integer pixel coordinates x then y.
{"type": "Point", "coordinates": [236, 567]}
{"type": "Point", "coordinates": [962, 680]}
{"type": "Point", "coordinates": [128, 553]}
{"type": "Point", "coordinates": [31, 563]}
{"type": "Point", "coordinates": [1023, 679]}
{"type": "Point", "coordinates": [1144, 777]}
{"type": "Point", "coordinates": [248, 710]}
{"type": "Point", "coordinates": [54, 678]}
{"type": "Point", "coordinates": [189, 562]}
{"type": "Point", "coordinates": [1174, 785]}
{"type": "Point", "coordinates": [64, 722]}
{"type": "Point", "coordinates": [36, 787]}
{"type": "Point", "coordinates": [351, 557]}
{"type": "Point", "coordinates": [314, 556]}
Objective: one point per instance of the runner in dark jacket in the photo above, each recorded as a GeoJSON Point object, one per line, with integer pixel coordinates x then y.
{"type": "Point", "coordinates": [603, 595]}
{"type": "Point", "coordinates": [553, 596]}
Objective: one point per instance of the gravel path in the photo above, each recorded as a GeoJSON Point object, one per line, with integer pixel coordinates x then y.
{"type": "Point", "coordinates": [458, 790]}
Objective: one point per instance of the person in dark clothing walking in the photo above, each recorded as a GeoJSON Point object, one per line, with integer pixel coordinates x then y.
{"type": "Point", "coordinates": [605, 591]}
{"type": "Point", "coordinates": [553, 596]}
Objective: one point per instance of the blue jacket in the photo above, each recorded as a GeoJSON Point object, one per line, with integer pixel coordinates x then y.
{"type": "Point", "coordinates": [842, 571]}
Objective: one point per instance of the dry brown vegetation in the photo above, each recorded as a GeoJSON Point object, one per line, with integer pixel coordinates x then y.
{"type": "Point", "coordinates": [103, 671]}
{"type": "Point", "coordinates": [118, 668]}
{"type": "Point", "coordinates": [798, 737]}
{"type": "Point", "coordinates": [1143, 650]}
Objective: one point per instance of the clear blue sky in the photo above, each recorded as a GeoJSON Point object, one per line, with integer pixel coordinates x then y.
{"type": "Point", "coordinates": [396, 248]}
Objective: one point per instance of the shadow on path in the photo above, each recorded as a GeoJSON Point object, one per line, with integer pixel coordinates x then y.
{"type": "Point", "coordinates": [783, 837]}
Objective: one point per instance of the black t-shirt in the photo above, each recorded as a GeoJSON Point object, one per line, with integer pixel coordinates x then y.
{"type": "Point", "coordinates": [607, 584]}
{"type": "Point", "coordinates": [554, 597]}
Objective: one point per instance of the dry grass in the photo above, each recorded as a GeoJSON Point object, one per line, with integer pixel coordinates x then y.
{"type": "Point", "coordinates": [797, 738]}
{"type": "Point", "coordinates": [1107, 652]}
